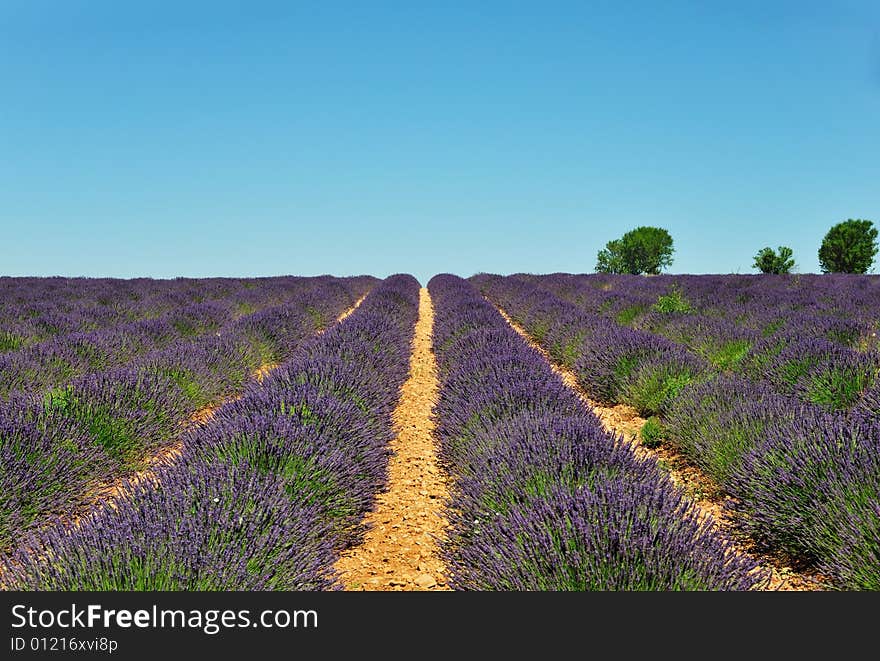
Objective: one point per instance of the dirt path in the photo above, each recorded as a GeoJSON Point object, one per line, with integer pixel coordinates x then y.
{"type": "Point", "coordinates": [624, 420]}
{"type": "Point", "coordinates": [399, 551]}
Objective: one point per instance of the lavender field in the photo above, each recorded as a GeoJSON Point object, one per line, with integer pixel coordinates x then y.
{"type": "Point", "coordinates": [593, 432]}
{"type": "Point", "coordinates": [767, 385]}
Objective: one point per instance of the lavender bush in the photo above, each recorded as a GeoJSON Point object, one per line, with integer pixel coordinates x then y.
{"type": "Point", "coordinates": [782, 413]}
{"type": "Point", "coordinates": [543, 498]}
{"type": "Point", "coordinates": [805, 479]}
{"type": "Point", "coordinates": [267, 492]}
{"type": "Point", "coordinates": [103, 425]}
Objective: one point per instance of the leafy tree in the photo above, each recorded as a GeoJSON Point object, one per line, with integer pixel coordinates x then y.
{"type": "Point", "coordinates": [610, 258]}
{"type": "Point", "coordinates": [849, 247]}
{"type": "Point", "coordinates": [767, 261]}
{"type": "Point", "coordinates": [642, 250]}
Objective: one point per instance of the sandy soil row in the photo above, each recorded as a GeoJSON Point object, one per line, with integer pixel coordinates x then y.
{"type": "Point", "coordinates": [624, 420]}
{"type": "Point", "coordinates": [399, 551]}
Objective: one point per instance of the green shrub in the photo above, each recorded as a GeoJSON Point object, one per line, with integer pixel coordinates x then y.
{"type": "Point", "coordinates": [539, 331]}
{"type": "Point", "coordinates": [626, 316]}
{"type": "Point", "coordinates": [673, 303]}
{"type": "Point", "coordinates": [772, 327]}
{"type": "Point", "coordinates": [652, 432]}
{"type": "Point", "coordinates": [9, 341]}
{"type": "Point", "coordinates": [568, 353]}
{"type": "Point", "coordinates": [728, 355]}
{"type": "Point", "coordinates": [318, 321]}
{"type": "Point", "coordinates": [838, 387]}
{"type": "Point", "coordinates": [654, 386]}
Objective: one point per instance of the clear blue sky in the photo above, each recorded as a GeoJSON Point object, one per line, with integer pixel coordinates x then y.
{"type": "Point", "coordinates": [258, 138]}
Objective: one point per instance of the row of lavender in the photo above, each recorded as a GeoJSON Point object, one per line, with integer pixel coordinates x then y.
{"type": "Point", "coordinates": [837, 307]}
{"type": "Point", "coordinates": [813, 369]}
{"type": "Point", "coordinates": [268, 491]}
{"type": "Point", "coordinates": [543, 498]}
{"type": "Point", "coordinates": [814, 337]}
{"type": "Point", "coordinates": [56, 447]}
{"type": "Point", "coordinates": [66, 356]}
{"type": "Point", "coordinates": [805, 479]}
{"type": "Point", "coordinates": [37, 309]}
{"type": "Point", "coordinates": [614, 363]}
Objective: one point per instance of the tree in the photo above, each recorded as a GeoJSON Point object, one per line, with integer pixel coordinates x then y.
{"type": "Point", "coordinates": [849, 247]}
{"type": "Point", "coordinates": [642, 250]}
{"type": "Point", "coordinates": [609, 259]}
{"type": "Point", "coordinates": [769, 262]}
